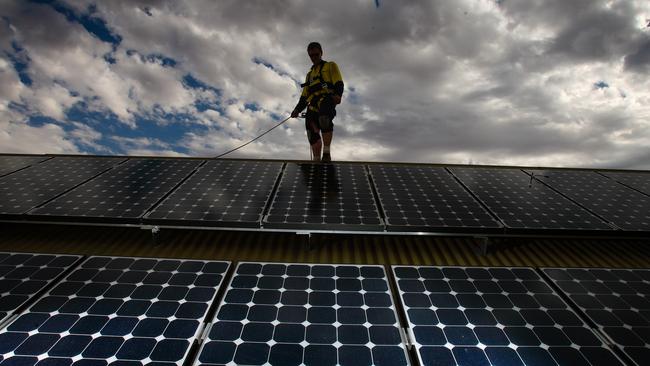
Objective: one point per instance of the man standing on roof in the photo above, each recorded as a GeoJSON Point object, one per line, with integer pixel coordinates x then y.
{"type": "Point", "coordinates": [321, 92]}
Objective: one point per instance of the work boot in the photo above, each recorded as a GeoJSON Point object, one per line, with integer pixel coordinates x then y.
{"type": "Point", "coordinates": [326, 158]}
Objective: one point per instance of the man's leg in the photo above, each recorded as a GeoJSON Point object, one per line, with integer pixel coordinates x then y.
{"type": "Point", "coordinates": [313, 135]}
{"type": "Point", "coordinates": [327, 129]}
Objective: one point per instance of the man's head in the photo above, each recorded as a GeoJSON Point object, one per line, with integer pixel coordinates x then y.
{"type": "Point", "coordinates": [315, 52]}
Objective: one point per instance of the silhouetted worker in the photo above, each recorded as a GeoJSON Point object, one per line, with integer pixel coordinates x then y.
{"type": "Point", "coordinates": [321, 92]}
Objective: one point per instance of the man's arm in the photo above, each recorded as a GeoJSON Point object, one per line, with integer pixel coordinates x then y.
{"type": "Point", "coordinates": [337, 80]}
{"type": "Point", "coordinates": [302, 103]}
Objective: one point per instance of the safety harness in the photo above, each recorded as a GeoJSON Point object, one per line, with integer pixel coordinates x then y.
{"type": "Point", "coordinates": [317, 87]}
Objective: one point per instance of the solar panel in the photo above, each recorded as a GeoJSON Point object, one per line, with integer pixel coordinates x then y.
{"type": "Point", "coordinates": [116, 309]}
{"type": "Point", "coordinates": [11, 163]}
{"type": "Point", "coordinates": [305, 314]}
{"type": "Point", "coordinates": [524, 204]}
{"type": "Point", "coordinates": [121, 195]}
{"type": "Point", "coordinates": [638, 181]}
{"type": "Point", "coordinates": [493, 316]}
{"type": "Point", "coordinates": [625, 207]}
{"type": "Point", "coordinates": [26, 189]}
{"type": "Point", "coordinates": [325, 197]}
{"type": "Point", "coordinates": [617, 301]}
{"type": "Point", "coordinates": [420, 198]}
{"type": "Point", "coordinates": [220, 193]}
{"type": "Point", "coordinates": [23, 275]}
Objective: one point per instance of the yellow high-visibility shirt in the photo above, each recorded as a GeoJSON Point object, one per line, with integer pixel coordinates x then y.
{"type": "Point", "coordinates": [324, 78]}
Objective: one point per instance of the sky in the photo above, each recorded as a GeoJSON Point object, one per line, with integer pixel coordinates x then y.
{"type": "Point", "coordinates": [500, 82]}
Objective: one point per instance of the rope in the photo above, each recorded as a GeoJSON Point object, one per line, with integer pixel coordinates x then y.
{"type": "Point", "coordinates": [239, 147]}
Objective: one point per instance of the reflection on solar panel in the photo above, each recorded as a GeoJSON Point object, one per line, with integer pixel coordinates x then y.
{"type": "Point", "coordinates": [493, 316]}
{"type": "Point", "coordinates": [639, 181]}
{"type": "Point", "coordinates": [616, 300]}
{"type": "Point", "coordinates": [113, 309]}
{"type": "Point", "coordinates": [11, 163]}
{"type": "Point", "coordinates": [426, 198]}
{"type": "Point", "coordinates": [625, 207]}
{"type": "Point", "coordinates": [324, 196]}
{"type": "Point", "coordinates": [222, 192]}
{"type": "Point", "coordinates": [26, 189]}
{"type": "Point", "coordinates": [298, 314]}
{"type": "Point", "coordinates": [522, 205]}
{"type": "Point", "coordinates": [125, 192]}
{"type": "Point", "coordinates": [22, 275]}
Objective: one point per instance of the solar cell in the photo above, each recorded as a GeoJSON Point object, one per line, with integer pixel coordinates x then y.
{"type": "Point", "coordinates": [305, 314]}
{"type": "Point", "coordinates": [122, 194]}
{"type": "Point", "coordinates": [23, 275]}
{"type": "Point", "coordinates": [11, 163]}
{"type": "Point", "coordinates": [116, 309]}
{"type": "Point", "coordinates": [493, 316]}
{"type": "Point", "coordinates": [617, 301]}
{"type": "Point", "coordinates": [420, 198]}
{"type": "Point", "coordinates": [324, 197]}
{"type": "Point", "coordinates": [639, 181]}
{"type": "Point", "coordinates": [220, 193]}
{"type": "Point", "coordinates": [26, 189]}
{"type": "Point", "coordinates": [616, 203]}
{"type": "Point", "coordinates": [523, 204]}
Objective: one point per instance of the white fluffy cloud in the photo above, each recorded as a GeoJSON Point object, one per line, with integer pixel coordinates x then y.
{"type": "Point", "coordinates": [541, 82]}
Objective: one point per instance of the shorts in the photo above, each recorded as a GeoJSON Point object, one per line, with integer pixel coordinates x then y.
{"type": "Point", "coordinates": [326, 108]}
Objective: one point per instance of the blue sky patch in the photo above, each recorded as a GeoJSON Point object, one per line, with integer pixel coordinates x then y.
{"type": "Point", "coordinates": [94, 25]}
{"type": "Point", "coordinates": [601, 85]}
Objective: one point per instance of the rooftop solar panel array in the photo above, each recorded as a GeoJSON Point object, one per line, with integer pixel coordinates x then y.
{"type": "Point", "coordinates": [122, 194]}
{"type": "Point", "coordinates": [116, 309]}
{"type": "Point", "coordinates": [493, 316]}
{"type": "Point", "coordinates": [11, 163]}
{"type": "Point", "coordinates": [427, 198]}
{"type": "Point", "coordinates": [617, 301]}
{"type": "Point", "coordinates": [639, 181]}
{"type": "Point", "coordinates": [522, 203]}
{"type": "Point", "coordinates": [324, 197]}
{"type": "Point", "coordinates": [23, 275]}
{"type": "Point", "coordinates": [625, 207]}
{"type": "Point", "coordinates": [300, 314]}
{"type": "Point", "coordinates": [28, 188]}
{"type": "Point", "coordinates": [220, 193]}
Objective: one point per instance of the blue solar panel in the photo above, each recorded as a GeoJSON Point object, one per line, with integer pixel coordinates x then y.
{"type": "Point", "coordinates": [616, 203]}
{"type": "Point", "coordinates": [123, 194]}
{"type": "Point", "coordinates": [617, 301]}
{"type": "Point", "coordinates": [493, 316]}
{"type": "Point", "coordinates": [221, 193]}
{"type": "Point", "coordinates": [116, 309]}
{"type": "Point", "coordinates": [23, 275]}
{"type": "Point", "coordinates": [305, 314]}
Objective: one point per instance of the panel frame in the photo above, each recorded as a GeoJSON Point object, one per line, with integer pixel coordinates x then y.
{"type": "Point", "coordinates": [38, 159]}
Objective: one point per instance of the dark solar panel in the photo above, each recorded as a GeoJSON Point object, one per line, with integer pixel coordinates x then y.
{"type": "Point", "coordinates": [220, 193]}
{"type": "Point", "coordinates": [617, 301]}
{"type": "Point", "coordinates": [324, 196]}
{"type": "Point", "coordinates": [23, 275]}
{"type": "Point", "coordinates": [426, 198]}
{"type": "Point", "coordinates": [638, 181]}
{"type": "Point", "coordinates": [625, 207]}
{"type": "Point", "coordinates": [493, 316]}
{"type": "Point", "coordinates": [116, 309]}
{"type": "Point", "coordinates": [123, 193]}
{"type": "Point", "coordinates": [26, 189]}
{"type": "Point", "coordinates": [11, 163]}
{"type": "Point", "coordinates": [524, 204]}
{"type": "Point", "coordinates": [300, 314]}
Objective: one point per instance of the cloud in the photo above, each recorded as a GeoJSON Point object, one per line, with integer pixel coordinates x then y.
{"type": "Point", "coordinates": [495, 82]}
